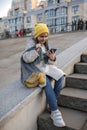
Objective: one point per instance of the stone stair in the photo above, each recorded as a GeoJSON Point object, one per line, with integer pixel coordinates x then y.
{"type": "Point", "coordinates": [72, 101]}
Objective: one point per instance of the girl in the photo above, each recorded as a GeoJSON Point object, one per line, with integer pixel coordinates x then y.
{"type": "Point", "coordinates": [37, 57]}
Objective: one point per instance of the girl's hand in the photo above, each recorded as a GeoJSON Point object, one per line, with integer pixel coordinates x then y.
{"type": "Point", "coordinates": [38, 45]}
{"type": "Point", "coordinates": [51, 55]}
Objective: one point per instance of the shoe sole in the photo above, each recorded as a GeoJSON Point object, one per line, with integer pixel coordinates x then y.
{"type": "Point", "coordinates": [58, 125]}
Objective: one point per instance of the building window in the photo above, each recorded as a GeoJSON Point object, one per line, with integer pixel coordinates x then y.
{"type": "Point", "coordinates": [47, 13]}
{"type": "Point", "coordinates": [16, 12]}
{"type": "Point", "coordinates": [58, 21]}
{"type": "Point", "coordinates": [58, 1]}
{"type": "Point", "coordinates": [75, 9]}
{"type": "Point", "coordinates": [75, 18]}
{"type": "Point", "coordinates": [29, 6]}
{"type": "Point", "coordinates": [28, 19]}
{"type": "Point", "coordinates": [50, 22]}
{"type": "Point", "coordinates": [39, 17]}
{"type": "Point", "coordinates": [50, 13]}
{"type": "Point", "coordinates": [58, 11]}
{"type": "Point", "coordinates": [12, 29]}
{"type": "Point", "coordinates": [12, 20]}
{"type": "Point", "coordinates": [9, 21]}
{"type": "Point", "coordinates": [11, 13]}
{"type": "Point", "coordinates": [63, 10]}
{"type": "Point", "coordinates": [19, 20]}
{"type": "Point", "coordinates": [50, 2]}
{"type": "Point", "coordinates": [61, 20]}
{"type": "Point", "coordinates": [21, 4]}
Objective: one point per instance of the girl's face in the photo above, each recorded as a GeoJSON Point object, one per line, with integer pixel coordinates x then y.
{"type": "Point", "coordinates": [42, 38]}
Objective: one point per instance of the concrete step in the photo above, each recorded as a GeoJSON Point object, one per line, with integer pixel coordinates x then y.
{"type": "Point", "coordinates": [74, 120]}
{"type": "Point", "coordinates": [84, 58]}
{"type": "Point", "coordinates": [80, 68]}
{"type": "Point", "coordinates": [73, 98]}
{"type": "Point", "coordinates": [77, 81]}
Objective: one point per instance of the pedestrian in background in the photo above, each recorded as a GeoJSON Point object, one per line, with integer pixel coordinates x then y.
{"type": "Point", "coordinates": [17, 33]}
{"type": "Point", "coordinates": [21, 33]}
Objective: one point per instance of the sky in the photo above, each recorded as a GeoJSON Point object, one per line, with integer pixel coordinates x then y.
{"type": "Point", "coordinates": [5, 5]}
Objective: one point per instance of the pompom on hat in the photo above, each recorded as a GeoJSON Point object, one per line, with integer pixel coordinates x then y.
{"type": "Point", "coordinates": [39, 29]}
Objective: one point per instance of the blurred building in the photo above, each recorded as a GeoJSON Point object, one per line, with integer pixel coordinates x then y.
{"type": "Point", "coordinates": [3, 24]}
{"type": "Point", "coordinates": [18, 14]}
{"type": "Point", "coordinates": [57, 14]}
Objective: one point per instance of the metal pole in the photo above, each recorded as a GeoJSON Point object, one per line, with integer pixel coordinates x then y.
{"type": "Point", "coordinates": [43, 14]}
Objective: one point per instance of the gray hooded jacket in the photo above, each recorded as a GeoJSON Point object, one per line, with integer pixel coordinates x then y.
{"type": "Point", "coordinates": [31, 61]}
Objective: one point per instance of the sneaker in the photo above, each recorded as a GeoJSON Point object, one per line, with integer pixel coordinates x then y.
{"type": "Point", "coordinates": [56, 116]}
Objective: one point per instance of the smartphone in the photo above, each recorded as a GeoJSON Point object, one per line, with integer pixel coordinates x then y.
{"type": "Point", "coordinates": [53, 50]}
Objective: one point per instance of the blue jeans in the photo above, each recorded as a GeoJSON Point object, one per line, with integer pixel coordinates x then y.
{"type": "Point", "coordinates": [53, 94]}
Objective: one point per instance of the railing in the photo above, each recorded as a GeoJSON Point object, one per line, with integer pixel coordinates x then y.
{"type": "Point", "coordinates": [53, 30]}
{"type": "Point", "coordinates": [67, 28]}
{"type": "Point", "coordinates": [5, 34]}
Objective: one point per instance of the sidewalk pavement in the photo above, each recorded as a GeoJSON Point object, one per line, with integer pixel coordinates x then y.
{"type": "Point", "coordinates": [11, 50]}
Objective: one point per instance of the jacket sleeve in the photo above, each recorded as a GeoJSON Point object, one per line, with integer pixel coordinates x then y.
{"type": "Point", "coordinates": [31, 55]}
{"type": "Point", "coordinates": [51, 62]}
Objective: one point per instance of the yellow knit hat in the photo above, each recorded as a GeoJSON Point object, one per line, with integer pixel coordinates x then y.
{"type": "Point", "coordinates": [39, 29]}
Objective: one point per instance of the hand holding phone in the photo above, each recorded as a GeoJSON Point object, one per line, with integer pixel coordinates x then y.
{"type": "Point", "coordinates": [51, 54]}
{"type": "Point", "coordinates": [53, 50]}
